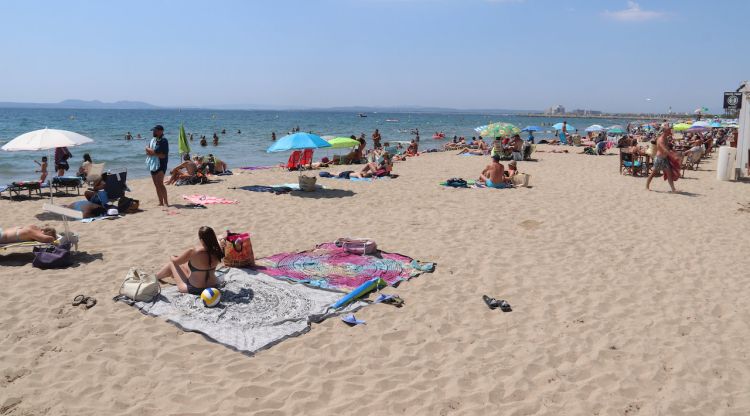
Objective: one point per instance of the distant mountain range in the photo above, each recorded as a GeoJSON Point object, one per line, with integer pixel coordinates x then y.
{"type": "Point", "coordinates": [85, 105]}
{"type": "Point", "coordinates": [139, 105]}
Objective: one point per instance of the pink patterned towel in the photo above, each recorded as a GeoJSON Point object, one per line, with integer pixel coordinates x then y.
{"type": "Point", "coordinates": [207, 200]}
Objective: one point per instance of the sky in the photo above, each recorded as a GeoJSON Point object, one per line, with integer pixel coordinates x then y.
{"type": "Point", "coordinates": [617, 56]}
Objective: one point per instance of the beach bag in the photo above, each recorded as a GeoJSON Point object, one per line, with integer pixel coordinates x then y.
{"type": "Point", "coordinates": [521, 179]}
{"type": "Point", "coordinates": [127, 205]}
{"type": "Point", "coordinates": [140, 286]}
{"type": "Point", "coordinates": [357, 245]}
{"type": "Point", "coordinates": [238, 250]}
{"type": "Point", "coordinates": [52, 257]}
{"type": "Point", "coordinates": [456, 183]}
{"type": "Point", "coordinates": [307, 183]}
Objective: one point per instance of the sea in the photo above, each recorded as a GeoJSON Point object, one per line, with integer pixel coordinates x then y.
{"type": "Point", "coordinates": [248, 133]}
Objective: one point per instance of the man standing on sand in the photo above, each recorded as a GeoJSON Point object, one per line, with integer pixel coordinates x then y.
{"type": "Point", "coordinates": [376, 139]}
{"type": "Point", "coordinates": [661, 160]}
{"type": "Point", "coordinates": [158, 155]}
{"type": "Point", "coordinates": [494, 174]}
{"type": "Point", "coordinates": [563, 133]}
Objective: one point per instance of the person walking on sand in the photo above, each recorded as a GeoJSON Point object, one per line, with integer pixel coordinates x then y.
{"type": "Point", "coordinates": [158, 156]}
{"type": "Point", "coordinates": [661, 160]}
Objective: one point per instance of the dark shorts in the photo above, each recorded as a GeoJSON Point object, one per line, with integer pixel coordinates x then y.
{"type": "Point", "coordinates": [660, 163]}
{"type": "Point", "coordinates": [62, 165]}
{"type": "Point", "coordinates": [156, 172]}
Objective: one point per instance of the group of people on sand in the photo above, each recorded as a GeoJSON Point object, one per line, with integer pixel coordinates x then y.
{"type": "Point", "coordinates": [508, 148]}
{"type": "Point", "coordinates": [495, 175]}
{"type": "Point", "coordinates": [62, 156]}
{"type": "Point", "coordinates": [197, 166]}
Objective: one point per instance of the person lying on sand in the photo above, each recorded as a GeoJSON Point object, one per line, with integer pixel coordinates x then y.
{"type": "Point", "coordinates": [494, 174]}
{"type": "Point", "coordinates": [186, 169]}
{"type": "Point", "coordinates": [27, 233]}
{"type": "Point", "coordinates": [381, 168]}
{"type": "Point", "coordinates": [195, 269]}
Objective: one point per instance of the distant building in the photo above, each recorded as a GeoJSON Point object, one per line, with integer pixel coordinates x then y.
{"type": "Point", "coordinates": [580, 112]}
{"type": "Point", "coordinates": [558, 109]}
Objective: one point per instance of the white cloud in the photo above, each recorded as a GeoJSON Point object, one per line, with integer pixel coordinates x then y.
{"type": "Point", "coordinates": [633, 13]}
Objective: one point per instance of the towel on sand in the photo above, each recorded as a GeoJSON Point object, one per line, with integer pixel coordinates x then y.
{"type": "Point", "coordinates": [207, 200]}
{"type": "Point", "coordinates": [256, 311]}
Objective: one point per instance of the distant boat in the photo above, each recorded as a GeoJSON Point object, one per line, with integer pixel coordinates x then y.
{"type": "Point", "coordinates": [391, 120]}
{"type": "Point", "coordinates": [362, 115]}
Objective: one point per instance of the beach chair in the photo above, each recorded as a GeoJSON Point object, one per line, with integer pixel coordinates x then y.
{"type": "Point", "coordinates": [67, 183]}
{"type": "Point", "coordinates": [690, 160]}
{"type": "Point", "coordinates": [116, 185]}
{"type": "Point", "coordinates": [94, 173]}
{"type": "Point", "coordinates": [576, 140]}
{"type": "Point", "coordinates": [298, 160]}
{"type": "Point", "coordinates": [629, 163]}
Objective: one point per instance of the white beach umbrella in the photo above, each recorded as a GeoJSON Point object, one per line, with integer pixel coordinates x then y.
{"type": "Point", "coordinates": [45, 139]}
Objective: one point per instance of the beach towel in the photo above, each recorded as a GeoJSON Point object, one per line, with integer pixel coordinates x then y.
{"type": "Point", "coordinates": [331, 267]}
{"type": "Point", "coordinates": [207, 200]}
{"type": "Point", "coordinates": [257, 167]}
{"type": "Point", "coordinates": [278, 190]}
{"type": "Point", "coordinates": [295, 186]}
{"type": "Point", "coordinates": [256, 311]}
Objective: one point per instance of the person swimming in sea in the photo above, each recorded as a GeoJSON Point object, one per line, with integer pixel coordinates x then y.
{"type": "Point", "coordinates": [203, 141]}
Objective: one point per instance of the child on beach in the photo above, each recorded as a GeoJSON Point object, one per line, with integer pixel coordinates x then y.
{"type": "Point", "coordinates": [42, 169]}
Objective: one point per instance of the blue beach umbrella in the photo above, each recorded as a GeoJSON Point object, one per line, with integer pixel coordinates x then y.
{"type": "Point", "coordinates": [715, 124]}
{"type": "Point", "coordinates": [594, 127]}
{"type": "Point", "coordinates": [298, 141]}
{"type": "Point", "coordinates": [531, 128]}
{"type": "Point", "coordinates": [568, 127]}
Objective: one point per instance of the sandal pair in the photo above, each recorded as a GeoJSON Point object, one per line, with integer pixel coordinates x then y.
{"type": "Point", "coordinates": [493, 303]}
{"type": "Point", "coordinates": [89, 302]}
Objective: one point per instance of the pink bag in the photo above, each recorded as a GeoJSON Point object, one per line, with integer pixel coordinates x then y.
{"type": "Point", "coordinates": [357, 245]}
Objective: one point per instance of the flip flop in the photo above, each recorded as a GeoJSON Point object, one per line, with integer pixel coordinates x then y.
{"type": "Point", "coordinates": [492, 303]}
{"type": "Point", "coordinates": [505, 306]}
{"type": "Point", "coordinates": [79, 299]}
{"type": "Point", "coordinates": [90, 302]}
{"type": "Point", "coordinates": [351, 320]}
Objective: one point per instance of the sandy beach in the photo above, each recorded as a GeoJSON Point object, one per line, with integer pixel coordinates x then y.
{"type": "Point", "coordinates": [625, 302]}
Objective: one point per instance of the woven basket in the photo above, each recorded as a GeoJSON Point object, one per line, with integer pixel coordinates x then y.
{"type": "Point", "coordinates": [307, 183]}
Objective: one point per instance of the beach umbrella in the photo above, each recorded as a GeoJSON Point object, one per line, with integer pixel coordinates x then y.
{"type": "Point", "coordinates": [715, 124]}
{"type": "Point", "coordinates": [681, 127]}
{"type": "Point", "coordinates": [298, 141]}
{"type": "Point", "coordinates": [696, 129]}
{"type": "Point", "coordinates": [500, 130]}
{"type": "Point", "coordinates": [182, 142]}
{"type": "Point", "coordinates": [568, 127]}
{"type": "Point", "coordinates": [594, 127]}
{"type": "Point", "coordinates": [342, 142]}
{"type": "Point", "coordinates": [480, 128]}
{"type": "Point", "coordinates": [701, 124]}
{"type": "Point", "coordinates": [531, 128]}
{"type": "Point", "coordinates": [45, 139]}
{"type": "Point", "coordinates": [616, 129]}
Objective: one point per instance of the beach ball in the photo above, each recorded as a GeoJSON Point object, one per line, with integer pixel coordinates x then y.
{"type": "Point", "coordinates": [210, 297]}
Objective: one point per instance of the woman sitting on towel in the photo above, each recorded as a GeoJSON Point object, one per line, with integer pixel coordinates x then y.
{"type": "Point", "coordinates": [194, 270]}
{"type": "Point", "coordinates": [27, 233]}
{"type": "Point", "coordinates": [382, 168]}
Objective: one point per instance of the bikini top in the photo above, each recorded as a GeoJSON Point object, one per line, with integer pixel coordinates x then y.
{"type": "Point", "coordinates": [195, 269]}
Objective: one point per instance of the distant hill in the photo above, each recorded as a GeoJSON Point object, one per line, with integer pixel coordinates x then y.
{"type": "Point", "coordinates": [84, 105]}
{"type": "Point", "coordinates": [421, 109]}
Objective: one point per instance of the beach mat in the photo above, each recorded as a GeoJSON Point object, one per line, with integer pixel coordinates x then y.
{"type": "Point", "coordinates": [207, 200]}
{"type": "Point", "coordinates": [330, 267]}
{"type": "Point", "coordinates": [256, 311]}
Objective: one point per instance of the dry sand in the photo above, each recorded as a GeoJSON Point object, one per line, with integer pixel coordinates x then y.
{"type": "Point", "coordinates": [624, 302]}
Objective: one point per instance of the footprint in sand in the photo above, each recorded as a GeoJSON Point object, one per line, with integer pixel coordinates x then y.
{"type": "Point", "coordinates": [530, 224]}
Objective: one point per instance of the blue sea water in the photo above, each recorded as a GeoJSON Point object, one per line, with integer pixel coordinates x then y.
{"type": "Point", "coordinates": [244, 148]}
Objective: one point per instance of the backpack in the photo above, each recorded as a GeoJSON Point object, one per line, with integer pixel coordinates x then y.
{"type": "Point", "coordinates": [457, 183]}
{"type": "Point", "coordinates": [127, 205]}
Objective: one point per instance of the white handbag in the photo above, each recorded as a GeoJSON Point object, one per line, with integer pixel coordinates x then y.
{"type": "Point", "coordinates": [140, 286]}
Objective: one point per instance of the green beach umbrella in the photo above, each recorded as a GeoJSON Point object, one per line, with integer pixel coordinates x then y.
{"type": "Point", "coordinates": [500, 130]}
{"type": "Point", "coordinates": [343, 143]}
{"type": "Point", "coordinates": [182, 142]}
{"type": "Point", "coordinates": [681, 127]}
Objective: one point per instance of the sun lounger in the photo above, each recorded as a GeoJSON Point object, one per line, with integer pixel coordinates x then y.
{"type": "Point", "coordinates": [17, 188]}
{"type": "Point", "coordinates": [65, 237]}
{"type": "Point", "coordinates": [67, 183]}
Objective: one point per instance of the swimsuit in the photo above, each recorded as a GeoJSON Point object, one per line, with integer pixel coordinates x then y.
{"type": "Point", "coordinates": [197, 290]}
{"type": "Point", "coordinates": [2, 236]}
{"type": "Point", "coordinates": [491, 184]}
{"type": "Point", "coordinates": [660, 163]}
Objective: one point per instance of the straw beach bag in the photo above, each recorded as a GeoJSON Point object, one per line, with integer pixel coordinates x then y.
{"type": "Point", "coordinates": [307, 183]}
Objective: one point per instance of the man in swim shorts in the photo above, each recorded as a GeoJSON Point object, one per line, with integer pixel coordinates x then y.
{"type": "Point", "coordinates": [494, 174]}
{"type": "Point", "coordinates": [159, 148]}
{"type": "Point", "coordinates": [661, 160]}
